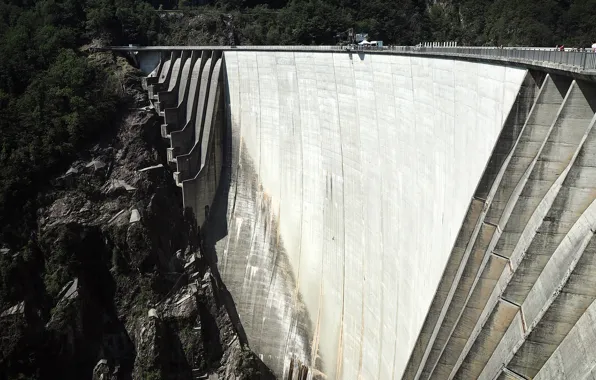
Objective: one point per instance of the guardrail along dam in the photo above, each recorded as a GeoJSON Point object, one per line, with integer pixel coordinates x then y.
{"type": "Point", "coordinates": [382, 215]}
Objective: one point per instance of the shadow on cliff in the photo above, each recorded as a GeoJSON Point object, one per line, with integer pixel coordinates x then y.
{"type": "Point", "coordinates": [215, 227]}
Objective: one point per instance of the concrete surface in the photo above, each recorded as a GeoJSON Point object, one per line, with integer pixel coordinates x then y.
{"type": "Point", "coordinates": [183, 139]}
{"type": "Point", "coordinates": [581, 64]}
{"type": "Point", "coordinates": [203, 163]}
{"type": "Point", "coordinates": [384, 216]}
{"type": "Point", "coordinates": [342, 169]}
{"type": "Point", "coordinates": [471, 268]}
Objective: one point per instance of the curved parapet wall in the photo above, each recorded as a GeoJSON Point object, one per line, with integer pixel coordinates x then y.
{"type": "Point", "coordinates": [350, 178]}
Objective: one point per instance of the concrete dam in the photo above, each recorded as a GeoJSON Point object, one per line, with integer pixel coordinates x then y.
{"type": "Point", "coordinates": [392, 216]}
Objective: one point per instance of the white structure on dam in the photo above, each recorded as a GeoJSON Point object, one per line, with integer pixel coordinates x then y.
{"type": "Point", "coordinates": [389, 216]}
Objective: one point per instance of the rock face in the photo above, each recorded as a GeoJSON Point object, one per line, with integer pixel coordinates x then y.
{"type": "Point", "coordinates": [115, 278]}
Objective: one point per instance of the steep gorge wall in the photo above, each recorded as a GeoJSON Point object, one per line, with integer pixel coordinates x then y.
{"type": "Point", "coordinates": [349, 179]}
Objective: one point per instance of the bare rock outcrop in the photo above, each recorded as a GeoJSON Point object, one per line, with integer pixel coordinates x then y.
{"type": "Point", "coordinates": [116, 281]}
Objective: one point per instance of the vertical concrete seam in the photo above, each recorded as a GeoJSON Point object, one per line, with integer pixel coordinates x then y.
{"type": "Point", "coordinates": [259, 117]}
{"type": "Point", "coordinates": [362, 254]}
{"type": "Point", "coordinates": [302, 178]}
{"type": "Point", "coordinates": [503, 121]}
{"type": "Point", "coordinates": [343, 193]}
{"type": "Point", "coordinates": [378, 163]}
{"type": "Point", "coordinates": [430, 373]}
{"type": "Point", "coordinates": [397, 292]}
{"type": "Point", "coordinates": [317, 335]}
{"type": "Point", "coordinates": [434, 333]}
{"type": "Point", "coordinates": [259, 200]}
{"type": "Point", "coordinates": [425, 356]}
{"type": "Point", "coordinates": [272, 222]}
{"type": "Point", "coordinates": [238, 164]}
{"type": "Point", "coordinates": [231, 152]}
{"type": "Point", "coordinates": [286, 344]}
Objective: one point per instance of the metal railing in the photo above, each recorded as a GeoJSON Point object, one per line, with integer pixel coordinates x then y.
{"type": "Point", "coordinates": [580, 60]}
{"type": "Point", "coordinates": [570, 60]}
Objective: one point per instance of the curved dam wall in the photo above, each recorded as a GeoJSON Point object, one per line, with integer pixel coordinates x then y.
{"type": "Point", "coordinates": [348, 179]}
{"type": "Point", "coordinates": [516, 296]}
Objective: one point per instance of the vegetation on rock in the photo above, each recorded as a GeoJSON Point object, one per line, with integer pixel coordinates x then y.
{"type": "Point", "coordinates": [79, 282]}
{"type": "Point", "coordinates": [397, 22]}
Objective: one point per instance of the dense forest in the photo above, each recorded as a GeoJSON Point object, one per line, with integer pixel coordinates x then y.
{"type": "Point", "coordinates": [53, 99]}
{"type": "Point", "coordinates": [470, 22]}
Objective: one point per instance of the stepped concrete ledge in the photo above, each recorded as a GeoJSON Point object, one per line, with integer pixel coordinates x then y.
{"type": "Point", "coordinates": [402, 213]}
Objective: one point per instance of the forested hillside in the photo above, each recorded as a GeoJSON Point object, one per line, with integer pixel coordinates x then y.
{"type": "Point", "coordinates": [471, 22]}
{"type": "Point", "coordinates": [94, 245]}
{"type": "Point", "coordinates": [52, 99]}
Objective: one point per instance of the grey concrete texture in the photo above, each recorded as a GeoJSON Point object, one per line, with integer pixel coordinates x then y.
{"type": "Point", "coordinates": [194, 127]}
{"type": "Point", "coordinates": [325, 254]}
{"type": "Point", "coordinates": [175, 116]}
{"type": "Point", "coordinates": [549, 311]}
{"type": "Point", "coordinates": [461, 290]}
{"type": "Point", "coordinates": [568, 361]}
{"type": "Point", "coordinates": [168, 96]}
{"type": "Point", "coordinates": [189, 82]}
{"type": "Point", "coordinates": [182, 140]}
{"type": "Point", "coordinates": [156, 84]}
{"type": "Point", "coordinates": [189, 164]}
{"type": "Point", "coordinates": [205, 158]}
{"type": "Point", "coordinates": [318, 178]}
{"type": "Point", "coordinates": [576, 108]}
{"type": "Point", "coordinates": [453, 271]}
{"type": "Point", "coordinates": [542, 194]}
{"type": "Point", "coordinates": [513, 170]}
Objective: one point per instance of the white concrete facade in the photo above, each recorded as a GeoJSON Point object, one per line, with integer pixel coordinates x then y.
{"type": "Point", "coordinates": [351, 176]}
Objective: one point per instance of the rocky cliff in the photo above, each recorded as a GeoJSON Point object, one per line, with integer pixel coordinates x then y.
{"type": "Point", "coordinates": [115, 282]}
